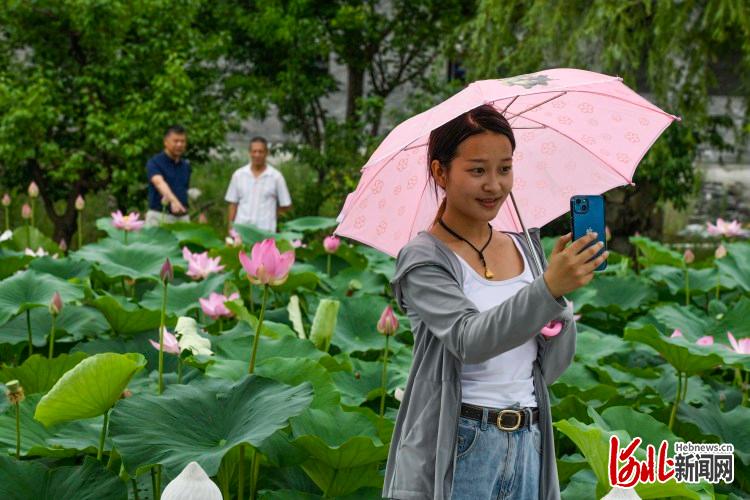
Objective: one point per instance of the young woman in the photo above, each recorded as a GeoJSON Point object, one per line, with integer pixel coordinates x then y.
{"type": "Point", "coordinates": [475, 421]}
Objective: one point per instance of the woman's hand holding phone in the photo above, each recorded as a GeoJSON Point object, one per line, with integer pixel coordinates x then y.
{"type": "Point", "coordinates": [571, 267]}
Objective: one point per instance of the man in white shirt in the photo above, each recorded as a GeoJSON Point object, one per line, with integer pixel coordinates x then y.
{"type": "Point", "coordinates": [257, 193]}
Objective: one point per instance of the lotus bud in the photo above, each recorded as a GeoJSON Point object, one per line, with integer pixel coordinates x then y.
{"type": "Point", "coordinates": [33, 190]}
{"type": "Point", "coordinates": [26, 211]}
{"type": "Point", "coordinates": [14, 392]}
{"type": "Point", "coordinates": [6, 200]}
{"type": "Point", "coordinates": [80, 203]}
{"type": "Point", "coordinates": [126, 394]}
{"type": "Point", "coordinates": [192, 484]}
{"type": "Point", "coordinates": [688, 256]}
{"type": "Point", "coordinates": [388, 323]}
{"type": "Point", "coordinates": [63, 246]}
{"type": "Point", "coordinates": [721, 252]}
{"type": "Point", "coordinates": [56, 304]}
{"type": "Point", "coordinates": [331, 243]}
{"type": "Point", "coordinates": [167, 273]}
{"type": "Point", "coordinates": [202, 219]}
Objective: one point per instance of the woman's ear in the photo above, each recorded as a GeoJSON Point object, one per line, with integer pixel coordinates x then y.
{"type": "Point", "coordinates": [439, 173]}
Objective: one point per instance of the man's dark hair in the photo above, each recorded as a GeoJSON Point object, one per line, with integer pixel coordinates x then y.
{"type": "Point", "coordinates": [175, 129]}
{"type": "Point", "coordinates": [260, 139]}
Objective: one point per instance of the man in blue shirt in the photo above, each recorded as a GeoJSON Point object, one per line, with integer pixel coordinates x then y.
{"type": "Point", "coordinates": [168, 179]}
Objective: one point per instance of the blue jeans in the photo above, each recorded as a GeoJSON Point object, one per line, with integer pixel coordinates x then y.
{"type": "Point", "coordinates": [495, 464]}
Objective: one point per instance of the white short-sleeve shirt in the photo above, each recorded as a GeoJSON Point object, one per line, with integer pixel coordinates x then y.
{"type": "Point", "coordinates": [257, 198]}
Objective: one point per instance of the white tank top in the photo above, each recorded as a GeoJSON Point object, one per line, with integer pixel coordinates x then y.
{"type": "Point", "coordinates": [506, 379]}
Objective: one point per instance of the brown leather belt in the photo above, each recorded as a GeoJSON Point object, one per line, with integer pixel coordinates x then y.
{"type": "Point", "coordinates": [506, 420]}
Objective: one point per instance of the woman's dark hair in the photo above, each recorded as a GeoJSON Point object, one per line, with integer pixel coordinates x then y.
{"type": "Point", "coordinates": [444, 140]}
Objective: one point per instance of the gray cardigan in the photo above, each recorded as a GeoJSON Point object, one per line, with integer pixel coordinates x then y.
{"type": "Point", "coordinates": [449, 331]}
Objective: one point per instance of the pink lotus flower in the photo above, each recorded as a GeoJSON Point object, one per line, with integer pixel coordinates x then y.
{"type": "Point", "coordinates": [214, 306]}
{"type": "Point", "coordinates": [331, 243]}
{"type": "Point", "coordinates": [267, 266]}
{"type": "Point", "coordinates": [200, 265]}
{"type": "Point", "coordinates": [706, 340]}
{"type": "Point", "coordinates": [33, 190]}
{"type": "Point", "coordinates": [26, 211]}
{"type": "Point", "coordinates": [298, 244]}
{"type": "Point", "coordinates": [688, 256]}
{"type": "Point", "coordinates": [234, 239]}
{"type": "Point", "coordinates": [80, 204]}
{"type": "Point", "coordinates": [170, 343]}
{"type": "Point", "coordinates": [130, 222]}
{"type": "Point", "coordinates": [388, 323]}
{"type": "Point", "coordinates": [741, 347]}
{"type": "Point", "coordinates": [724, 228]}
{"type": "Point", "coordinates": [721, 252]}
{"type": "Point", "coordinates": [676, 334]}
{"type": "Point", "coordinates": [552, 329]}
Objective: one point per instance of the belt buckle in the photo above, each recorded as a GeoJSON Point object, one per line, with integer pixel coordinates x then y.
{"type": "Point", "coordinates": [517, 413]}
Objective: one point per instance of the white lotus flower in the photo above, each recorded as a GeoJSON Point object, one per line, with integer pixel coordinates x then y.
{"type": "Point", "coordinates": [192, 484]}
{"type": "Point", "coordinates": [189, 339]}
{"type": "Point", "coordinates": [618, 493]}
{"type": "Point", "coordinates": [399, 394]}
{"type": "Point", "coordinates": [6, 235]}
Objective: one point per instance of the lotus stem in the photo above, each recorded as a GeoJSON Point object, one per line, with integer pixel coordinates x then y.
{"type": "Point", "coordinates": [684, 388]}
{"type": "Point", "coordinates": [33, 206]}
{"type": "Point", "coordinates": [384, 378]}
{"type": "Point", "coordinates": [18, 430]}
{"type": "Point", "coordinates": [126, 237]}
{"type": "Point", "coordinates": [52, 337]}
{"type": "Point", "coordinates": [221, 325]}
{"type": "Point", "coordinates": [80, 229]}
{"type": "Point", "coordinates": [135, 488]}
{"type": "Point", "coordinates": [252, 302]}
{"type": "Point", "coordinates": [676, 400]}
{"type": "Point", "coordinates": [7, 219]}
{"type": "Point", "coordinates": [257, 330]}
{"type": "Point", "coordinates": [163, 213]}
{"type": "Point", "coordinates": [179, 370]}
{"type": "Point", "coordinates": [745, 388]}
{"type": "Point", "coordinates": [28, 235]}
{"type": "Point", "coordinates": [328, 265]}
{"type": "Point", "coordinates": [254, 470]}
{"type": "Point", "coordinates": [156, 482]}
{"type": "Point", "coordinates": [102, 436]}
{"type": "Point", "coordinates": [28, 330]}
{"type": "Point", "coordinates": [225, 486]}
{"type": "Point", "coordinates": [687, 287]}
{"type": "Point", "coordinates": [241, 484]}
{"type": "Point", "coordinates": [162, 326]}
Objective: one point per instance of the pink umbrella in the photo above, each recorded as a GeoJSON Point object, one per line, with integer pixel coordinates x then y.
{"type": "Point", "coordinates": [577, 132]}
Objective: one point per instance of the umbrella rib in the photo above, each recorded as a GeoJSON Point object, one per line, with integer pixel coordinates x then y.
{"type": "Point", "coordinates": [419, 202]}
{"type": "Point", "coordinates": [629, 181]}
{"type": "Point", "coordinates": [536, 105]}
{"type": "Point", "coordinates": [509, 104]}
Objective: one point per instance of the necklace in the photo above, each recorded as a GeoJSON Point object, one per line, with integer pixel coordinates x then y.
{"type": "Point", "coordinates": [487, 273]}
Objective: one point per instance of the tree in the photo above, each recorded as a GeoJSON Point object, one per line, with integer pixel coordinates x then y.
{"type": "Point", "coordinates": [666, 49]}
{"type": "Point", "coordinates": [282, 51]}
{"type": "Point", "coordinates": [87, 89]}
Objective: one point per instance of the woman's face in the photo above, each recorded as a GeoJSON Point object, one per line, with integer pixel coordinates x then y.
{"type": "Point", "coordinates": [480, 176]}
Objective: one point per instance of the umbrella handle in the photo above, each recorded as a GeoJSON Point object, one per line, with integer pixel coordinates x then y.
{"type": "Point", "coordinates": [537, 262]}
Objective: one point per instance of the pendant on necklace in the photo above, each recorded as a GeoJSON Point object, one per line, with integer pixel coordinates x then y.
{"type": "Point", "coordinates": [488, 274]}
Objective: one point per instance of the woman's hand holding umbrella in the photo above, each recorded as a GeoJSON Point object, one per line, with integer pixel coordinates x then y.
{"type": "Point", "coordinates": [569, 267]}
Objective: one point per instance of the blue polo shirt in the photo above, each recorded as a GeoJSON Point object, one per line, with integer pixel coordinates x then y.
{"type": "Point", "coordinates": [175, 173]}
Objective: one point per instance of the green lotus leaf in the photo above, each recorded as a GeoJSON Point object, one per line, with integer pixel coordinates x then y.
{"type": "Point", "coordinates": [294, 371]}
{"type": "Point", "coordinates": [614, 294]}
{"type": "Point", "coordinates": [91, 388]}
{"type": "Point", "coordinates": [202, 422]}
{"type": "Point", "coordinates": [700, 280]}
{"type": "Point", "coordinates": [137, 260]}
{"type": "Point", "coordinates": [39, 374]}
{"type": "Point", "coordinates": [345, 449]}
{"type": "Point", "coordinates": [75, 321]}
{"type": "Point", "coordinates": [369, 282]}
{"type": "Point", "coordinates": [29, 289]}
{"type": "Point", "coordinates": [356, 328]}
{"type": "Point", "coordinates": [299, 279]}
{"type": "Point", "coordinates": [312, 223]}
{"type": "Point", "coordinates": [135, 343]}
{"type": "Point", "coordinates": [593, 441]}
{"type": "Point", "coordinates": [248, 323]}
{"type": "Point", "coordinates": [125, 318]}
{"type": "Point", "coordinates": [63, 440]}
{"type": "Point", "coordinates": [653, 253]}
{"type": "Point", "coordinates": [735, 267]}
{"type": "Point", "coordinates": [362, 383]}
{"type": "Point", "coordinates": [735, 320]}
{"type": "Point", "coordinates": [691, 321]}
{"type": "Point", "coordinates": [582, 484]}
{"type": "Point", "coordinates": [685, 356]}
{"type": "Point", "coordinates": [593, 345]}
{"type": "Point", "coordinates": [251, 234]}
{"type": "Point", "coordinates": [728, 427]}
{"type": "Point", "coordinates": [36, 239]}
{"type": "Point", "coordinates": [184, 297]}
{"type": "Point", "coordinates": [90, 481]}
{"type": "Point", "coordinates": [197, 234]}
{"type": "Point", "coordinates": [12, 261]}
{"type": "Point", "coordinates": [62, 268]}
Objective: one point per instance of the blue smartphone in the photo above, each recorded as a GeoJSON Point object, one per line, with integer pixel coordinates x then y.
{"type": "Point", "coordinates": [587, 215]}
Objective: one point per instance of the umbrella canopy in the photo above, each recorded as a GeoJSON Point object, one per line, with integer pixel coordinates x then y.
{"type": "Point", "coordinates": [577, 132]}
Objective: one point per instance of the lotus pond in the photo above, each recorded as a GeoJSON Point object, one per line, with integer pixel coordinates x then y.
{"type": "Point", "coordinates": [90, 414]}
